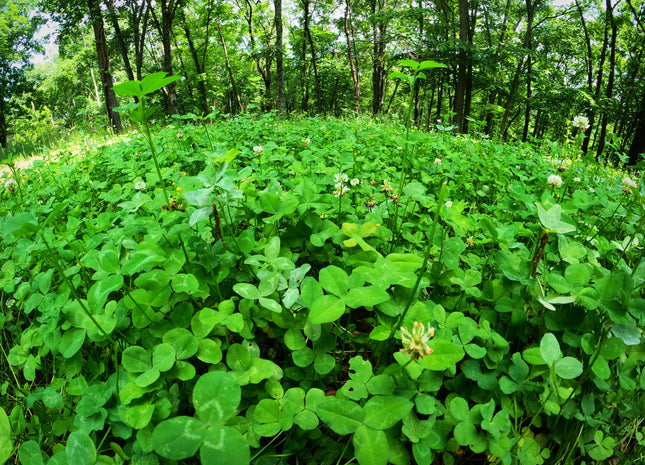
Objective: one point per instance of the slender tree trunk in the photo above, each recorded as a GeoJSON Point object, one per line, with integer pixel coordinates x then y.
{"type": "Point", "coordinates": [104, 64]}
{"type": "Point", "coordinates": [379, 30]}
{"type": "Point", "coordinates": [230, 70]}
{"type": "Point", "coordinates": [462, 73]}
{"type": "Point", "coordinates": [3, 123]}
{"type": "Point", "coordinates": [350, 56]}
{"type": "Point", "coordinates": [610, 80]}
{"type": "Point", "coordinates": [168, 11]}
{"type": "Point", "coordinates": [529, 92]}
{"type": "Point", "coordinates": [123, 48]}
{"type": "Point", "coordinates": [314, 60]}
{"type": "Point", "coordinates": [201, 82]}
{"type": "Point", "coordinates": [280, 104]}
{"type": "Point", "coordinates": [637, 147]}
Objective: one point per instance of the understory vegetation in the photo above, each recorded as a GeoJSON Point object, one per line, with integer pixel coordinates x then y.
{"type": "Point", "coordinates": [319, 291]}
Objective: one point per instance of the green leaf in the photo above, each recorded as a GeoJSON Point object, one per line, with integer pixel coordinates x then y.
{"type": "Point", "coordinates": [183, 341]}
{"type": "Point", "coordinates": [223, 445]}
{"type": "Point", "coordinates": [429, 64]}
{"type": "Point", "coordinates": [459, 408]}
{"type": "Point", "coordinates": [334, 280]}
{"type": "Point", "coordinates": [370, 446]}
{"type": "Point", "coordinates": [100, 290]}
{"type": "Point", "coordinates": [247, 290]}
{"type": "Point", "coordinates": [187, 283]}
{"type": "Point", "coordinates": [22, 224]}
{"type": "Point", "coordinates": [550, 349]}
{"type": "Point", "coordinates": [29, 453]}
{"type": "Point", "coordinates": [383, 412]}
{"type": "Point", "coordinates": [326, 309]}
{"type": "Point", "coordinates": [156, 81]}
{"type": "Point", "coordinates": [163, 357]}
{"type": "Point", "coordinates": [71, 342]}
{"type": "Point", "coordinates": [178, 438]}
{"type": "Point", "coordinates": [445, 354]}
{"type": "Point", "coordinates": [551, 219]}
{"type": "Point", "coordinates": [135, 359]}
{"type": "Point", "coordinates": [342, 416]}
{"type": "Point", "coordinates": [6, 444]}
{"type": "Point", "coordinates": [216, 396]}
{"type": "Point", "coordinates": [568, 368]}
{"type": "Point", "coordinates": [366, 296]}
{"type": "Point", "coordinates": [80, 449]}
{"type": "Point", "coordinates": [128, 88]}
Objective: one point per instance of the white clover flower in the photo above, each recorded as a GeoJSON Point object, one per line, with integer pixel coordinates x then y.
{"type": "Point", "coordinates": [437, 161]}
{"type": "Point", "coordinates": [140, 186]}
{"type": "Point", "coordinates": [387, 187]}
{"type": "Point", "coordinates": [592, 190]}
{"type": "Point", "coordinates": [10, 303]}
{"type": "Point", "coordinates": [399, 148]}
{"type": "Point", "coordinates": [10, 185]}
{"type": "Point", "coordinates": [554, 180]}
{"type": "Point", "coordinates": [577, 179]}
{"type": "Point", "coordinates": [629, 183]}
{"type": "Point", "coordinates": [340, 189]}
{"type": "Point", "coordinates": [306, 141]}
{"type": "Point", "coordinates": [470, 241]}
{"type": "Point", "coordinates": [355, 182]}
{"type": "Point", "coordinates": [448, 204]}
{"type": "Point", "coordinates": [581, 123]}
{"type": "Point", "coordinates": [257, 150]}
{"type": "Point", "coordinates": [341, 177]}
{"type": "Point", "coordinates": [416, 343]}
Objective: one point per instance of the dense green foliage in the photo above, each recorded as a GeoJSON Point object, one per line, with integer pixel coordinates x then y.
{"type": "Point", "coordinates": [515, 70]}
{"type": "Point", "coordinates": [239, 290]}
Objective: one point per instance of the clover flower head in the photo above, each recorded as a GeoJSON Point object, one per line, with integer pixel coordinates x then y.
{"type": "Point", "coordinates": [577, 179]}
{"type": "Point", "coordinates": [341, 177]}
{"type": "Point", "coordinates": [629, 183]}
{"type": "Point", "coordinates": [180, 135]}
{"type": "Point", "coordinates": [448, 204]}
{"type": "Point", "coordinates": [554, 180]}
{"type": "Point", "coordinates": [355, 182]}
{"type": "Point", "coordinates": [370, 204]}
{"type": "Point", "coordinates": [10, 303]}
{"type": "Point", "coordinates": [387, 187]}
{"type": "Point", "coordinates": [399, 148]}
{"type": "Point", "coordinates": [140, 186]}
{"type": "Point", "coordinates": [580, 122]}
{"type": "Point", "coordinates": [340, 189]}
{"type": "Point", "coordinates": [416, 342]}
{"type": "Point", "coordinates": [10, 185]}
{"type": "Point", "coordinates": [592, 190]}
{"type": "Point", "coordinates": [437, 161]}
{"type": "Point", "coordinates": [470, 241]}
{"type": "Point", "coordinates": [306, 141]}
{"type": "Point", "coordinates": [257, 150]}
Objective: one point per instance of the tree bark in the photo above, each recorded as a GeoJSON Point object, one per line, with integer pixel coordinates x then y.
{"type": "Point", "coordinates": [379, 30]}
{"type": "Point", "coordinates": [168, 11]}
{"type": "Point", "coordinates": [610, 79]}
{"type": "Point", "coordinates": [350, 56]}
{"type": "Point", "coordinates": [201, 82]}
{"type": "Point", "coordinates": [3, 122]}
{"type": "Point", "coordinates": [637, 147]}
{"type": "Point", "coordinates": [314, 60]}
{"type": "Point", "coordinates": [230, 70]}
{"type": "Point", "coordinates": [120, 40]}
{"type": "Point", "coordinates": [104, 63]}
{"type": "Point", "coordinates": [280, 104]}
{"type": "Point", "coordinates": [462, 75]}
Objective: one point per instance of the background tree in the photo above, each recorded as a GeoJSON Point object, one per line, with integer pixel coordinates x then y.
{"type": "Point", "coordinates": [17, 28]}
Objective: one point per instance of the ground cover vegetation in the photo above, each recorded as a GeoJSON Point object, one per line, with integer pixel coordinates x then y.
{"type": "Point", "coordinates": [312, 290]}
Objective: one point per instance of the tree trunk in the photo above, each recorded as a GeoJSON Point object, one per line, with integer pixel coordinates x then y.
{"type": "Point", "coordinates": [314, 61]}
{"type": "Point", "coordinates": [199, 69]}
{"type": "Point", "coordinates": [462, 74]}
{"type": "Point", "coordinates": [350, 56]}
{"type": "Point", "coordinates": [168, 10]}
{"type": "Point", "coordinates": [123, 48]}
{"type": "Point", "coordinates": [637, 148]}
{"type": "Point", "coordinates": [104, 63]}
{"type": "Point", "coordinates": [279, 62]}
{"type": "Point", "coordinates": [3, 123]}
{"type": "Point", "coordinates": [230, 70]}
{"type": "Point", "coordinates": [265, 71]}
{"type": "Point", "coordinates": [610, 80]}
{"type": "Point", "coordinates": [379, 29]}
